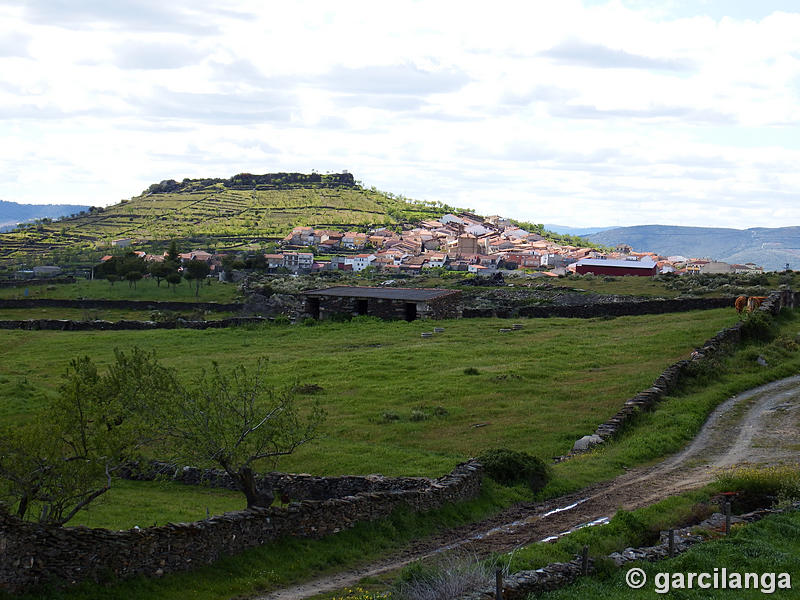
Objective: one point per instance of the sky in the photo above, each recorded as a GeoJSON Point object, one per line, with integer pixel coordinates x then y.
{"type": "Point", "coordinates": [581, 113]}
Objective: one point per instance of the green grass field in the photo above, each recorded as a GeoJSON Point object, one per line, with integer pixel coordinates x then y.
{"type": "Point", "coordinates": [146, 289]}
{"type": "Point", "coordinates": [537, 389]}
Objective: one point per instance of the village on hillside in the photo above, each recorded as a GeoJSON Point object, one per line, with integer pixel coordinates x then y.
{"type": "Point", "coordinates": [462, 242]}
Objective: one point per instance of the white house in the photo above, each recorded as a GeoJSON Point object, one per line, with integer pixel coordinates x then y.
{"type": "Point", "coordinates": [360, 261]}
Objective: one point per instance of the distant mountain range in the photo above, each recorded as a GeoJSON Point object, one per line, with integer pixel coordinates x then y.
{"type": "Point", "coordinates": [579, 231]}
{"type": "Point", "coordinates": [770, 248]}
{"type": "Point", "coordinates": [12, 213]}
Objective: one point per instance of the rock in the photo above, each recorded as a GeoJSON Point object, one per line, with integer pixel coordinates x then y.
{"type": "Point", "coordinates": [587, 442]}
{"type": "Point", "coordinates": [762, 361]}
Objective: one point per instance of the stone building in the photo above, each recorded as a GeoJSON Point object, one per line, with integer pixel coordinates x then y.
{"type": "Point", "coordinates": [386, 303]}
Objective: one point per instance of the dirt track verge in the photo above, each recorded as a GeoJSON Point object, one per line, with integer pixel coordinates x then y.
{"type": "Point", "coordinates": [760, 426]}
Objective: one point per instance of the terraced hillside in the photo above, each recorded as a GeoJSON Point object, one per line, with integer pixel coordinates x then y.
{"type": "Point", "coordinates": [240, 210]}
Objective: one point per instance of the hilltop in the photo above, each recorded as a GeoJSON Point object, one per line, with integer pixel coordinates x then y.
{"type": "Point", "coordinates": [772, 248]}
{"type": "Point", "coordinates": [234, 212]}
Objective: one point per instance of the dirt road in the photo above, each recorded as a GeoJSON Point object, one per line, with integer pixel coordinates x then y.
{"type": "Point", "coordinates": [760, 426]}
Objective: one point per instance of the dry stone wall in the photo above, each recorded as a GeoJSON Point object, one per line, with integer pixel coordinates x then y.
{"type": "Point", "coordinates": [69, 325]}
{"type": "Point", "coordinates": [119, 304]}
{"type": "Point", "coordinates": [604, 309]}
{"type": "Point", "coordinates": [34, 554]}
{"type": "Point", "coordinates": [294, 486]}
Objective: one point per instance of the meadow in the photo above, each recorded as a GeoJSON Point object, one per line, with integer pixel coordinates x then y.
{"type": "Point", "coordinates": [397, 404]}
{"type": "Point", "coordinates": [146, 289]}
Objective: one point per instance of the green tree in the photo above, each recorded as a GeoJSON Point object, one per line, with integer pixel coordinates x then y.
{"type": "Point", "coordinates": [196, 270]}
{"type": "Point", "coordinates": [236, 418]}
{"type": "Point", "coordinates": [173, 279]}
{"type": "Point", "coordinates": [160, 270]}
{"type": "Point", "coordinates": [133, 277]}
{"type": "Point", "coordinates": [63, 460]}
{"type": "Point", "coordinates": [173, 255]}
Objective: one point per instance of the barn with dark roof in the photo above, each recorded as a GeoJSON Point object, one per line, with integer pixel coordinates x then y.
{"type": "Point", "coordinates": [383, 302]}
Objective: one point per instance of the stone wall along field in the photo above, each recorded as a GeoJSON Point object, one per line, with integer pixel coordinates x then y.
{"type": "Point", "coordinates": [34, 554]}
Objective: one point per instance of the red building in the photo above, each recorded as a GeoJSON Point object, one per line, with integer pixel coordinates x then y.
{"type": "Point", "coordinates": [599, 266]}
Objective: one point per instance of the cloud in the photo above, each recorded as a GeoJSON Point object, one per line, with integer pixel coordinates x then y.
{"type": "Point", "coordinates": [682, 113]}
{"type": "Point", "coordinates": [139, 15]}
{"type": "Point", "coordinates": [138, 55]}
{"type": "Point", "coordinates": [216, 108]}
{"type": "Point", "coordinates": [390, 102]}
{"type": "Point", "coordinates": [540, 93]}
{"type": "Point", "coordinates": [14, 44]}
{"type": "Point", "coordinates": [390, 79]}
{"type": "Point", "coordinates": [583, 54]}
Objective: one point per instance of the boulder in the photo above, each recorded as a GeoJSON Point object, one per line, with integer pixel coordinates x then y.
{"type": "Point", "coordinates": [586, 442]}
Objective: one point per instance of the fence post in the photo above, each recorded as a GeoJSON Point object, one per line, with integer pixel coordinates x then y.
{"type": "Point", "coordinates": [498, 584]}
{"type": "Point", "coordinates": [585, 560]}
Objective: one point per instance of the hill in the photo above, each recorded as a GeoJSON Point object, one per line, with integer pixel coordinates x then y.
{"type": "Point", "coordinates": [13, 213]}
{"type": "Point", "coordinates": [772, 248]}
{"type": "Point", "coordinates": [579, 231]}
{"type": "Point", "coordinates": [234, 212]}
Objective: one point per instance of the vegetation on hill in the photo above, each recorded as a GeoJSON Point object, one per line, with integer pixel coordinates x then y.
{"type": "Point", "coordinates": [217, 213]}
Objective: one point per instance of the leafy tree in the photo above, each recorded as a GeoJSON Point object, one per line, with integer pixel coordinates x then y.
{"type": "Point", "coordinates": [133, 277]}
{"type": "Point", "coordinates": [160, 270]}
{"type": "Point", "coordinates": [112, 277]}
{"type": "Point", "coordinates": [172, 253]}
{"type": "Point", "coordinates": [173, 279]}
{"type": "Point", "coordinates": [65, 459]}
{"type": "Point", "coordinates": [237, 418]}
{"type": "Point", "coordinates": [196, 270]}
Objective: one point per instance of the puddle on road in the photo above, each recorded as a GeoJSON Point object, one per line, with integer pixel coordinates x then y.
{"type": "Point", "coordinates": [511, 527]}
{"type": "Point", "coordinates": [553, 538]}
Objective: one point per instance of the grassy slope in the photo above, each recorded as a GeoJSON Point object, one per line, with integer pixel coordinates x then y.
{"type": "Point", "coordinates": [231, 216]}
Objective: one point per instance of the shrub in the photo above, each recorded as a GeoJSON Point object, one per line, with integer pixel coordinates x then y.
{"type": "Point", "coordinates": [309, 321]}
{"type": "Point", "coordinates": [281, 320]}
{"type": "Point", "coordinates": [758, 326]}
{"type": "Point", "coordinates": [418, 415]}
{"type": "Point", "coordinates": [509, 467]}
{"type": "Point", "coordinates": [471, 371]}
{"type": "Point", "coordinates": [389, 417]}
{"type": "Point", "coordinates": [448, 576]}
{"type": "Point", "coordinates": [773, 481]}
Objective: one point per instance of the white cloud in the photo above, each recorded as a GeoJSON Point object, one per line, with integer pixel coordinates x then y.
{"type": "Point", "coordinates": [582, 113]}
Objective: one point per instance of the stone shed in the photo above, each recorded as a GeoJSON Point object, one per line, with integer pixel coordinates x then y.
{"type": "Point", "coordinates": [386, 303]}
